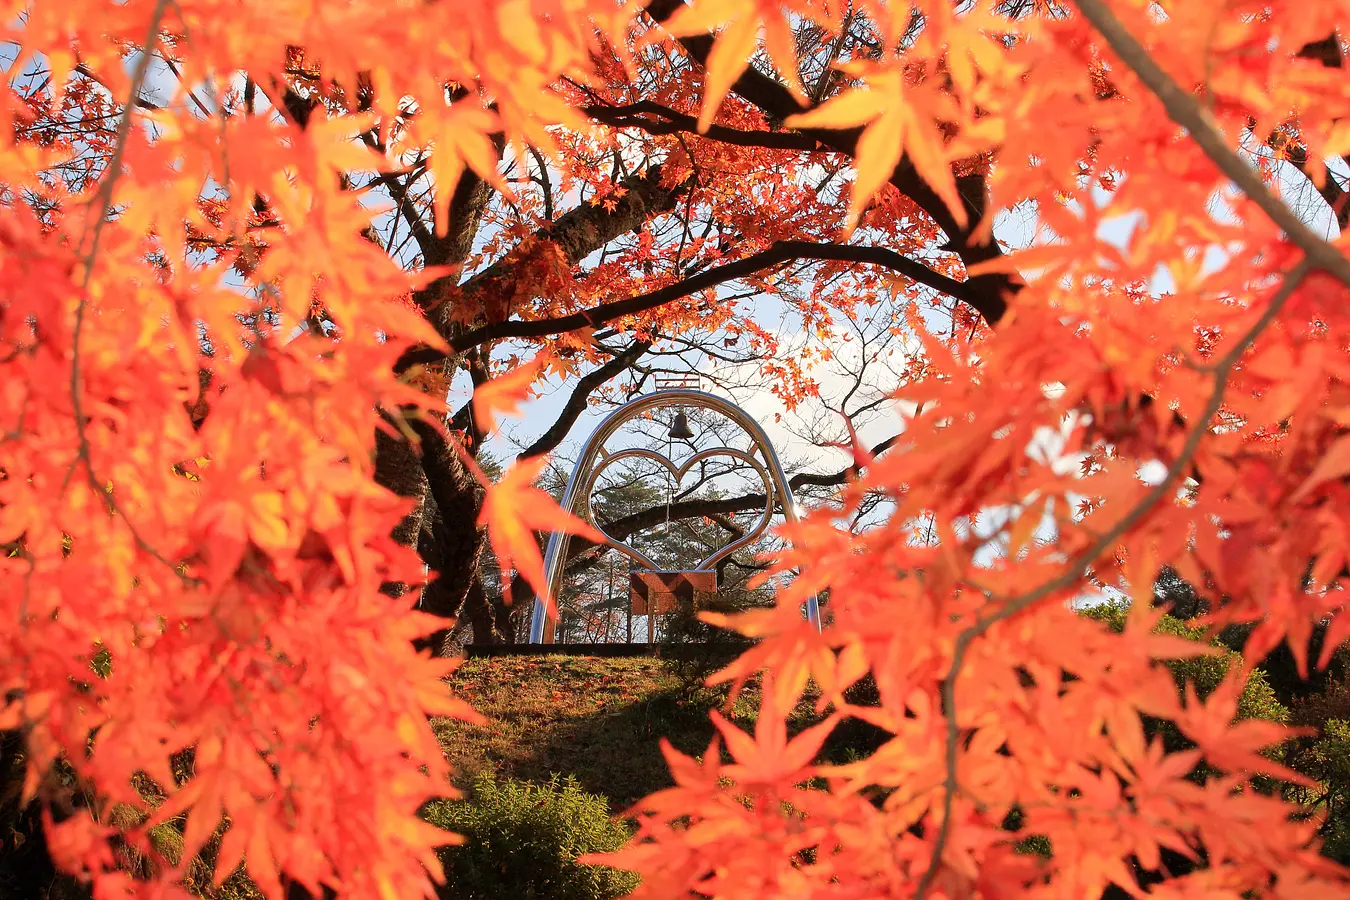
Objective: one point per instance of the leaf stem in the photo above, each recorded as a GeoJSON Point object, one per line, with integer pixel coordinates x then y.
{"type": "Point", "coordinates": [103, 203]}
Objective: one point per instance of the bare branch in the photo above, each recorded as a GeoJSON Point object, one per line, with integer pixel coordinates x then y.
{"type": "Point", "coordinates": [576, 404]}
{"type": "Point", "coordinates": [656, 119]}
{"type": "Point", "coordinates": [138, 100]}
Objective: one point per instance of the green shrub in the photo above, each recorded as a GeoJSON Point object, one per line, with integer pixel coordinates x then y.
{"type": "Point", "coordinates": [1204, 673]}
{"type": "Point", "coordinates": [523, 841]}
{"type": "Point", "coordinates": [1329, 762]}
{"type": "Point", "coordinates": [1325, 757]}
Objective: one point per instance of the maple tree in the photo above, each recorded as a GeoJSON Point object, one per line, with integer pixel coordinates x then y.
{"type": "Point", "coordinates": [249, 247]}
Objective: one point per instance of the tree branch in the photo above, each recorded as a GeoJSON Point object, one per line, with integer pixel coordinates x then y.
{"type": "Point", "coordinates": [585, 229]}
{"type": "Point", "coordinates": [668, 121]}
{"type": "Point", "coordinates": [138, 100]}
{"type": "Point", "coordinates": [802, 479]}
{"type": "Point", "coordinates": [1184, 110]}
{"type": "Point", "coordinates": [578, 233]}
{"type": "Point", "coordinates": [775, 101]}
{"type": "Point", "coordinates": [576, 404]}
{"type": "Point", "coordinates": [399, 191]}
{"type": "Point", "coordinates": [991, 308]}
{"type": "Point", "coordinates": [463, 418]}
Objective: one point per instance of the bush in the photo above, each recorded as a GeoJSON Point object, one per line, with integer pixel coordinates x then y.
{"type": "Point", "coordinates": [1258, 700]}
{"type": "Point", "coordinates": [523, 841]}
{"type": "Point", "coordinates": [1325, 757]}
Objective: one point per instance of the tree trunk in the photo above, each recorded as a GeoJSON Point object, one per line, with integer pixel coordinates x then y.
{"type": "Point", "coordinates": [398, 468]}
{"type": "Point", "coordinates": [451, 543]}
{"type": "Point", "coordinates": [479, 613]}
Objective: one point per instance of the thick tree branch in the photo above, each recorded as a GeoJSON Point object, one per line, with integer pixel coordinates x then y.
{"type": "Point", "coordinates": [585, 229]}
{"type": "Point", "coordinates": [622, 529]}
{"type": "Point", "coordinates": [462, 421]}
{"type": "Point", "coordinates": [654, 118]}
{"type": "Point", "coordinates": [991, 308]}
{"type": "Point", "coordinates": [578, 233]}
{"type": "Point", "coordinates": [446, 480]}
{"type": "Point", "coordinates": [1327, 51]}
{"type": "Point", "coordinates": [803, 479]}
{"type": "Point", "coordinates": [775, 101]}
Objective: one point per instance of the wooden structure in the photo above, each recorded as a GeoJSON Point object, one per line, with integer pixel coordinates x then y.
{"type": "Point", "coordinates": [656, 594]}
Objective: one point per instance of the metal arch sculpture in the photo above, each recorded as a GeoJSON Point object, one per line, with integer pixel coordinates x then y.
{"type": "Point", "coordinates": [594, 459]}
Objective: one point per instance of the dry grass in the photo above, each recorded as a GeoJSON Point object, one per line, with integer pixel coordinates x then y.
{"type": "Point", "coordinates": [598, 720]}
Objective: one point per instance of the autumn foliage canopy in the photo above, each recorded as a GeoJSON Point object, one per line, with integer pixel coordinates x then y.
{"type": "Point", "coordinates": [244, 244]}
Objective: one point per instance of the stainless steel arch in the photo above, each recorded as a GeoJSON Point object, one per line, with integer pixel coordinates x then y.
{"type": "Point", "coordinates": [583, 478]}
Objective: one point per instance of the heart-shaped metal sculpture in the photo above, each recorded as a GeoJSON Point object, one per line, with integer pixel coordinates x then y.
{"type": "Point", "coordinates": [576, 497]}
{"type": "Point", "coordinates": [678, 473]}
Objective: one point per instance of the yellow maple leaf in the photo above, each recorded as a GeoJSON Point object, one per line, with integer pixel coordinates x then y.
{"type": "Point", "coordinates": [741, 22]}
{"type": "Point", "coordinates": [898, 121]}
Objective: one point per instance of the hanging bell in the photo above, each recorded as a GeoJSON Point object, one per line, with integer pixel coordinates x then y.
{"type": "Point", "coordinates": [680, 429]}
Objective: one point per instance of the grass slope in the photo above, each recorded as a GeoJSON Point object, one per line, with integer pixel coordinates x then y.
{"type": "Point", "coordinates": [598, 720]}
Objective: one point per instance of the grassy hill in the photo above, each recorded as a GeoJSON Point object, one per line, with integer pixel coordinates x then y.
{"type": "Point", "coordinates": [599, 720]}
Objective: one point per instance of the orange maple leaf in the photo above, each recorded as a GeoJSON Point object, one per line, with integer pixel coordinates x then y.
{"type": "Point", "coordinates": [899, 120]}
{"type": "Point", "coordinates": [513, 511]}
{"type": "Point", "coordinates": [1335, 463]}
{"type": "Point", "coordinates": [505, 393]}
{"type": "Point", "coordinates": [770, 757]}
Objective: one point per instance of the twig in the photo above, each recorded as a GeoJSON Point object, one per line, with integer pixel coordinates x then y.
{"type": "Point", "coordinates": [83, 69]}
{"type": "Point", "coordinates": [102, 203]}
{"type": "Point", "coordinates": [823, 82]}
{"type": "Point", "coordinates": [1183, 109]}
{"type": "Point", "coordinates": [177, 73]}
{"type": "Point", "coordinates": [1318, 254]}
